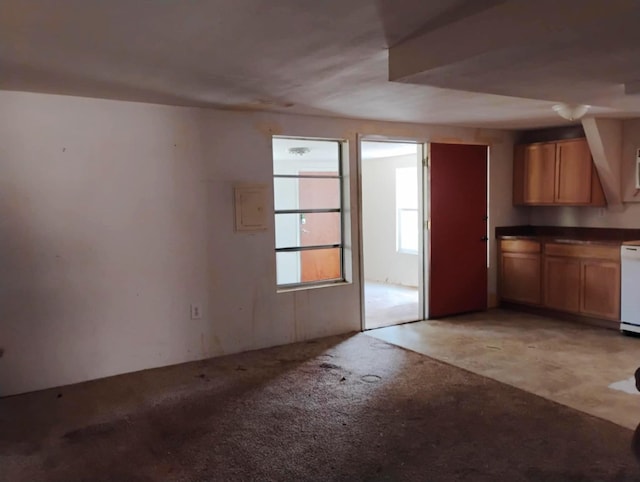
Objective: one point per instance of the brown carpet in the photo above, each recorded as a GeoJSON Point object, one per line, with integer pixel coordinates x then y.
{"type": "Point", "coordinates": [342, 408]}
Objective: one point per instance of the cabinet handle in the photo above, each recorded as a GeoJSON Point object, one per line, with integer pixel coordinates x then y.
{"type": "Point", "coordinates": [484, 239]}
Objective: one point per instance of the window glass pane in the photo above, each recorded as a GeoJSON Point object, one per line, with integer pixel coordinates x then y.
{"type": "Point", "coordinates": [309, 266]}
{"type": "Point", "coordinates": [320, 264]}
{"type": "Point", "coordinates": [307, 229]}
{"type": "Point", "coordinates": [407, 187]}
{"type": "Point", "coordinates": [303, 156]}
{"type": "Point", "coordinates": [306, 193]}
{"type": "Point", "coordinates": [408, 230]}
{"type": "Point", "coordinates": [288, 268]}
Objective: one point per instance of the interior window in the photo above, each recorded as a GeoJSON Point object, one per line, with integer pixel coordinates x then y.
{"type": "Point", "coordinates": [307, 186]}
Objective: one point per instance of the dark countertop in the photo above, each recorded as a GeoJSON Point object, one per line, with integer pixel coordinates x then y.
{"type": "Point", "coordinates": [552, 239]}
{"type": "Point", "coordinates": [569, 235]}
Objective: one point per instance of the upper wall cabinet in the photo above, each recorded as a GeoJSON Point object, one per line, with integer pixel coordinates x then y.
{"type": "Point", "coordinates": [556, 173]}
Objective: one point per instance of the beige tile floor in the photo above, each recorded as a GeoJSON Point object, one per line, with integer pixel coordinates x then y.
{"type": "Point", "coordinates": [588, 369]}
{"type": "Point", "coordinates": [387, 304]}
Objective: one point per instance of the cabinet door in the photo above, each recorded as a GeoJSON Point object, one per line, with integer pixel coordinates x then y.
{"type": "Point", "coordinates": [573, 172]}
{"type": "Point", "coordinates": [520, 277]}
{"type": "Point", "coordinates": [562, 284]}
{"type": "Point", "coordinates": [600, 289]}
{"type": "Point", "coordinates": [539, 173]}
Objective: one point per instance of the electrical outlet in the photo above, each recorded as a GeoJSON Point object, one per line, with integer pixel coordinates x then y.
{"type": "Point", "coordinates": [196, 312]}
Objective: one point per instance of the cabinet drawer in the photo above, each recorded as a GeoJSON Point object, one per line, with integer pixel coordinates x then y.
{"type": "Point", "coordinates": [611, 253]}
{"type": "Point", "coordinates": [520, 246]}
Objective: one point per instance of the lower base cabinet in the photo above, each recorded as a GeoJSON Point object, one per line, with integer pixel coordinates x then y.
{"type": "Point", "coordinates": [577, 279]}
{"type": "Point", "coordinates": [600, 296]}
{"type": "Point", "coordinates": [521, 271]}
{"type": "Point", "coordinates": [562, 284]}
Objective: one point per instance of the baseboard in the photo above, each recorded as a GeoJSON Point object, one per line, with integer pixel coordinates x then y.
{"type": "Point", "coordinates": [538, 310]}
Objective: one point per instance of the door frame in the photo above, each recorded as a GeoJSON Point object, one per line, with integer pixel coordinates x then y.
{"type": "Point", "coordinates": [425, 205]}
{"type": "Point", "coordinates": [424, 182]}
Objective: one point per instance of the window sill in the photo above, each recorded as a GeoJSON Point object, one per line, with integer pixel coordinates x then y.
{"type": "Point", "coordinates": [331, 284]}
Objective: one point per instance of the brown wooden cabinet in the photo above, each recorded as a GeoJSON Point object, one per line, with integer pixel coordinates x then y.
{"type": "Point", "coordinates": [600, 289]}
{"type": "Point", "coordinates": [579, 279]}
{"type": "Point", "coordinates": [573, 175]}
{"type": "Point", "coordinates": [562, 284]}
{"type": "Point", "coordinates": [540, 173]}
{"type": "Point", "coordinates": [520, 273]}
{"type": "Point", "coordinates": [583, 279]}
{"type": "Point", "coordinates": [556, 173]}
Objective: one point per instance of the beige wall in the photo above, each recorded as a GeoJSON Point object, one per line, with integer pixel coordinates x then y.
{"type": "Point", "coordinates": [115, 216]}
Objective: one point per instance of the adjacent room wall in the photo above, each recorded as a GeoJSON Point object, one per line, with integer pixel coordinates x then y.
{"type": "Point", "coordinates": [383, 263]}
{"type": "Point", "coordinates": [116, 216]}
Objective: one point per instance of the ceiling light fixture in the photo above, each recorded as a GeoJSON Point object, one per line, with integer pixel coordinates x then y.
{"type": "Point", "coordinates": [571, 112]}
{"type": "Point", "coordinates": [299, 151]}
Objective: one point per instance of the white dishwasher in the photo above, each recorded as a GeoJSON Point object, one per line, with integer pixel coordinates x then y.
{"type": "Point", "coordinates": [630, 283]}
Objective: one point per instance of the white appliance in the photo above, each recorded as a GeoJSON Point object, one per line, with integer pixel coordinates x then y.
{"type": "Point", "coordinates": [630, 282]}
{"type": "Point", "coordinates": [638, 169]}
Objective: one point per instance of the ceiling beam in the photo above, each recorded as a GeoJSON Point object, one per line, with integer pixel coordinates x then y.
{"type": "Point", "coordinates": [500, 27]}
{"type": "Point", "coordinates": [604, 137]}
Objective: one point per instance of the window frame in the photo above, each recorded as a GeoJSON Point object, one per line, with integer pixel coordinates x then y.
{"type": "Point", "coordinates": [401, 207]}
{"type": "Point", "coordinates": [399, 248]}
{"type": "Point", "coordinates": [340, 210]}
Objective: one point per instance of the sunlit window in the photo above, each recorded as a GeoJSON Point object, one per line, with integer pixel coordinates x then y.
{"type": "Point", "coordinates": [407, 221]}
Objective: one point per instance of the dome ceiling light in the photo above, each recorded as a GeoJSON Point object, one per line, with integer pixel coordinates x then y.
{"type": "Point", "coordinates": [571, 112]}
{"type": "Point", "coordinates": [299, 151]}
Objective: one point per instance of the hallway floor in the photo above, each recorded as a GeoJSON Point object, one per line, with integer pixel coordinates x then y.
{"type": "Point", "coordinates": [387, 304]}
{"type": "Point", "coordinates": [588, 369]}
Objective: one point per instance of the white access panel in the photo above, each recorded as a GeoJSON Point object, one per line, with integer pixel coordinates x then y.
{"type": "Point", "coordinates": [250, 207]}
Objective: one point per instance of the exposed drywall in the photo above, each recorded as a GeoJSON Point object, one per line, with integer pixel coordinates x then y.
{"type": "Point", "coordinates": [382, 261]}
{"type": "Point", "coordinates": [627, 217]}
{"type": "Point", "coordinates": [116, 216]}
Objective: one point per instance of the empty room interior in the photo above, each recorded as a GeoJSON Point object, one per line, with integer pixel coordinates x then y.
{"type": "Point", "coordinates": [364, 240]}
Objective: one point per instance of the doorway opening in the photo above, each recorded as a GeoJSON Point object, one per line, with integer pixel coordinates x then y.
{"type": "Point", "coordinates": [392, 190]}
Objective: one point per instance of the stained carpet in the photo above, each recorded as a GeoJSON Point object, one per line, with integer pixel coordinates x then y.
{"type": "Point", "coordinates": [342, 408]}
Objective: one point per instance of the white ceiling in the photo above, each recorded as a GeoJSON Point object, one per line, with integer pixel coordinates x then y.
{"type": "Point", "coordinates": [379, 150]}
{"type": "Point", "coordinates": [318, 151]}
{"type": "Point", "coordinates": [328, 150]}
{"type": "Point", "coordinates": [467, 62]}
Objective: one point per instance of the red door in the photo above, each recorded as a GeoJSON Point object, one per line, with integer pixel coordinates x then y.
{"type": "Point", "coordinates": [458, 259]}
